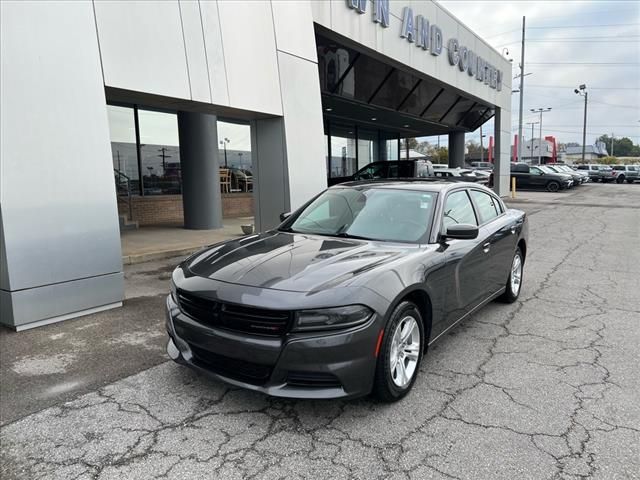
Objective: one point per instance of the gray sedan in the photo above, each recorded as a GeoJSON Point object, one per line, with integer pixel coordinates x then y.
{"type": "Point", "coordinates": [344, 297]}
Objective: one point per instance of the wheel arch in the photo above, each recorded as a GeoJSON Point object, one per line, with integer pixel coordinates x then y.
{"type": "Point", "coordinates": [421, 298]}
{"type": "Point", "coordinates": [522, 245]}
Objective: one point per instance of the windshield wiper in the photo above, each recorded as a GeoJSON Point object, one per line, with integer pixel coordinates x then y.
{"type": "Point", "coordinates": [348, 235]}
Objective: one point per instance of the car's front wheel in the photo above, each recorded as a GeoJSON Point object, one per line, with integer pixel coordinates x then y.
{"type": "Point", "coordinates": [514, 282]}
{"type": "Point", "coordinates": [620, 179]}
{"type": "Point", "coordinates": [400, 353]}
{"type": "Point", "coordinates": [553, 186]}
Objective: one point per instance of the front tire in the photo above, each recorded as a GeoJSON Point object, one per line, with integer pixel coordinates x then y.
{"type": "Point", "coordinates": [401, 353]}
{"type": "Point", "coordinates": [553, 186]}
{"type": "Point", "coordinates": [620, 179]}
{"type": "Point", "coordinates": [514, 282]}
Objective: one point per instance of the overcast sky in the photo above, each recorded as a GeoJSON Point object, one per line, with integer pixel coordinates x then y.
{"type": "Point", "coordinates": [597, 43]}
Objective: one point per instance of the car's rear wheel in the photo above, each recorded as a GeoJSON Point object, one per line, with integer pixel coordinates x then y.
{"type": "Point", "coordinates": [553, 186]}
{"type": "Point", "coordinates": [629, 180]}
{"type": "Point", "coordinates": [400, 353]}
{"type": "Point", "coordinates": [514, 282]}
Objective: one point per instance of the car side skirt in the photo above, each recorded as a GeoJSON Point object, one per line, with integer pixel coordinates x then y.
{"type": "Point", "coordinates": [470, 312]}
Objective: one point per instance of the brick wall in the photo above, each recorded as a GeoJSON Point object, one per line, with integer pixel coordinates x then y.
{"type": "Point", "coordinates": [167, 209]}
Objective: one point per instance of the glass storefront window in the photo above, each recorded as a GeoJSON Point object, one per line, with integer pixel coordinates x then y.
{"type": "Point", "coordinates": [123, 148]}
{"type": "Point", "coordinates": [343, 151]}
{"type": "Point", "coordinates": [234, 157]}
{"type": "Point", "coordinates": [392, 149]}
{"type": "Point", "coordinates": [367, 147]}
{"type": "Point", "coordinates": [159, 153]}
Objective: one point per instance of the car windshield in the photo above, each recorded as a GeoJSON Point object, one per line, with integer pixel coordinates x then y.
{"type": "Point", "coordinates": [368, 213]}
{"type": "Point", "coordinates": [546, 169]}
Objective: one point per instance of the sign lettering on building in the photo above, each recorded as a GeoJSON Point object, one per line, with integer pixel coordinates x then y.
{"type": "Point", "coordinates": [417, 29]}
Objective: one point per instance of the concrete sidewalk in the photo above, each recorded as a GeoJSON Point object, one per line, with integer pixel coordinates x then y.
{"type": "Point", "coordinates": [154, 243]}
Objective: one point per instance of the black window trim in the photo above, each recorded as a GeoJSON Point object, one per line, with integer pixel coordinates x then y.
{"type": "Point", "coordinates": [440, 213]}
{"type": "Point", "coordinates": [475, 206]}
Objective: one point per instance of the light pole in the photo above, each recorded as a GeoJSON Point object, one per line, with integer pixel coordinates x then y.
{"type": "Point", "coordinates": [541, 111]}
{"type": "Point", "coordinates": [532, 125]}
{"type": "Point", "coordinates": [582, 90]}
{"type": "Point", "coordinates": [224, 144]}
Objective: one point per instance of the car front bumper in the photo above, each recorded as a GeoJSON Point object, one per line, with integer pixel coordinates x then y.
{"type": "Point", "coordinates": [336, 364]}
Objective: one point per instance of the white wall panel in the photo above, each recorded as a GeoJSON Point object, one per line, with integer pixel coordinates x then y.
{"type": "Point", "coordinates": [194, 46]}
{"type": "Point", "coordinates": [142, 46]}
{"type": "Point", "coordinates": [215, 52]}
{"type": "Point", "coordinates": [302, 120]}
{"type": "Point", "coordinates": [293, 25]}
{"type": "Point", "coordinates": [59, 214]}
{"type": "Point", "coordinates": [250, 56]}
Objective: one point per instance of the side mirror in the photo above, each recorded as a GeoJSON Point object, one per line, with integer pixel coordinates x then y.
{"type": "Point", "coordinates": [462, 231]}
{"type": "Point", "coordinates": [284, 216]}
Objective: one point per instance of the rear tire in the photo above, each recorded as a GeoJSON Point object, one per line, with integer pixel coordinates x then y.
{"type": "Point", "coordinates": [514, 282]}
{"type": "Point", "coordinates": [389, 385]}
{"type": "Point", "coordinates": [553, 186]}
{"type": "Point", "coordinates": [629, 180]}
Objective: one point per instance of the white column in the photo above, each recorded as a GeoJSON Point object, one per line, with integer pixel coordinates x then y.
{"type": "Point", "coordinates": [502, 165]}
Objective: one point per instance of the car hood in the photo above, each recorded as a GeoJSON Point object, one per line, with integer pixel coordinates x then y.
{"type": "Point", "coordinates": [291, 261]}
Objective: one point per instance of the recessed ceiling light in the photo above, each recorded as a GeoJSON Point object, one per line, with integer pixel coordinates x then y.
{"type": "Point", "coordinates": [373, 118]}
{"type": "Point", "coordinates": [328, 109]}
{"type": "Point", "coordinates": [406, 125]}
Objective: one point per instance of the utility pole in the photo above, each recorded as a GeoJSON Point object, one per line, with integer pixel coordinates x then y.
{"type": "Point", "coordinates": [532, 125]}
{"type": "Point", "coordinates": [582, 90]}
{"type": "Point", "coordinates": [521, 94]}
{"type": "Point", "coordinates": [541, 111]}
{"type": "Point", "coordinates": [481, 146]}
{"type": "Point", "coordinates": [611, 144]}
{"type": "Point", "coordinates": [164, 157]}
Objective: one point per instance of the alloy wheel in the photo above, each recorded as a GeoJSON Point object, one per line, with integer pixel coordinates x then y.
{"type": "Point", "coordinates": [405, 351]}
{"type": "Point", "coordinates": [516, 274]}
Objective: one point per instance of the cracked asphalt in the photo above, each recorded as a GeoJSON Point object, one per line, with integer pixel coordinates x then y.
{"type": "Point", "coordinates": [545, 388]}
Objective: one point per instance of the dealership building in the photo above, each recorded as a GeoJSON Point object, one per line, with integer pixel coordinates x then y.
{"type": "Point", "coordinates": [113, 108]}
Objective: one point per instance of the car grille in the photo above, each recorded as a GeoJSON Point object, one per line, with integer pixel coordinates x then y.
{"type": "Point", "coordinates": [313, 380]}
{"type": "Point", "coordinates": [241, 370]}
{"type": "Point", "coordinates": [239, 318]}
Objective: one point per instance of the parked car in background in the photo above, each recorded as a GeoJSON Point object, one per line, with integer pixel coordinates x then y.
{"type": "Point", "coordinates": [535, 177]}
{"type": "Point", "coordinates": [461, 174]}
{"type": "Point", "coordinates": [578, 178]}
{"type": "Point", "coordinates": [566, 168]}
{"type": "Point", "coordinates": [482, 165]}
{"type": "Point", "coordinates": [343, 298]}
{"type": "Point", "coordinates": [414, 168]}
{"type": "Point", "coordinates": [592, 170]}
{"type": "Point", "coordinates": [436, 166]}
{"type": "Point", "coordinates": [608, 174]}
{"type": "Point", "coordinates": [626, 173]}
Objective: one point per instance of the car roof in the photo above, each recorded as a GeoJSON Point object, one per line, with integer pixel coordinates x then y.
{"type": "Point", "coordinates": [430, 184]}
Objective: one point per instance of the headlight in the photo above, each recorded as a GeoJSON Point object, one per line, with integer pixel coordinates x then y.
{"type": "Point", "coordinates": [331, 318]}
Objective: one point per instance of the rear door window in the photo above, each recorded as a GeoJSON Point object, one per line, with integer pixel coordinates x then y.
{"type": "Point", "coordinates": [487, 208]}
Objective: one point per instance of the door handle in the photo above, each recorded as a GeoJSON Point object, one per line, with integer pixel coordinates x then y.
{"type": "Point", "coordinates": [486, 247]}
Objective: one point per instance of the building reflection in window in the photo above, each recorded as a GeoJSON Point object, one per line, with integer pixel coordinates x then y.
{"type": "Point", "coordinates": [123, 148]}
{"type": "Point", "coordinates": [159, 153]}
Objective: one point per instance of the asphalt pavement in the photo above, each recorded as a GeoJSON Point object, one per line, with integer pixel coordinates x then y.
{"type": "Point", "coordinates": [547, 387]}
